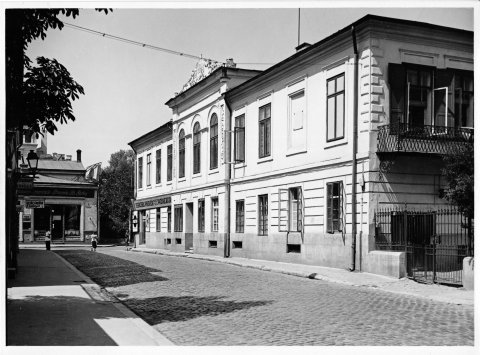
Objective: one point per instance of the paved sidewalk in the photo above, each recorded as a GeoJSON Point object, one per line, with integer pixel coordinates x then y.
{"type": "Point", "coordinates": [360, 279]}
{"type": "Point", "coordinates": [52, 303]}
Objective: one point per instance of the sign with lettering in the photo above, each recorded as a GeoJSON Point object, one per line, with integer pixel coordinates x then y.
{"type": "Point", "coordinates": [43, 191]}
{"type": "Point", "coordinates": [152, 203]}
{"type": "Point", "coordinates": [34, 204]}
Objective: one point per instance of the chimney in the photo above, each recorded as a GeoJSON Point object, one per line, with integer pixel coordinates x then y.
{"type": "Point", "coordinates": [229, 63]}
{"type": "Point", "coordinates": [302, 46]}
{"type": "Point", "coordinates": [79, 155]}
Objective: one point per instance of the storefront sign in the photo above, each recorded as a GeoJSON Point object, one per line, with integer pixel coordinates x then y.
{"type": "Point", "coordinates": [34, 204]}
{"type": "Point", "coordinates": [134, 221]}
{"type": "Point", "coordinates": [43, 191]}
{"type": "Point", "coordinates": [25, 185]}
{"type": "Point", "coordinates": [155, 202]}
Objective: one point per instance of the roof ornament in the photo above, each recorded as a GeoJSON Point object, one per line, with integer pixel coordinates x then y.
{"type": "Point", "coordinates": [204, 68]}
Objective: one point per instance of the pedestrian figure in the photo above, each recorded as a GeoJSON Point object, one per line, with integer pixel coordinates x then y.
{"type": "Point", "coordinates": [127, 239]}
{"type": "Point", "coordinates": [47, 240]}
{"type": "Point", "coordinates": [94, 242]}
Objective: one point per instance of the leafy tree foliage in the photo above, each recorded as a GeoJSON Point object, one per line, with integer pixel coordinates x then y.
{"type": "Point", "coordinates": [459, 175]}
{"type": "Point", "coordinates": [116, 192]}
{"type": "Point", "coordinates": [37, 96]}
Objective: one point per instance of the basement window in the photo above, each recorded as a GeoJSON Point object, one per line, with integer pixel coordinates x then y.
{"type": "Point", "coordinates": [293, 248]}
{"type": "Point", "coordinates": [178, 241]}
{"type": "Point", "coordinates": [237, 245]}
{"type": "Point", "coordinates": [169, 241]}
{"type": "Point", "coordinates": [212, 243]}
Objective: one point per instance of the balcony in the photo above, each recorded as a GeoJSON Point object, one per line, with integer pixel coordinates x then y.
{"type": "Point", "coordinates": [404, 138]}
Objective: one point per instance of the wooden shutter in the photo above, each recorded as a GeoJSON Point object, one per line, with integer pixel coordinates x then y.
{"type": "Point", "coordinates": [301, 212]}
{"type": "Point", "coordinates": [396, 80]}
{"type": "Point", "coordinates": [329, 208]}
{"type": "Point", "coordinates": [283, 200]}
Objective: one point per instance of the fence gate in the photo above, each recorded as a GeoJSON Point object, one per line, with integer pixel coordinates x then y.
{"type": "Point", "coordinates": [435, 242]}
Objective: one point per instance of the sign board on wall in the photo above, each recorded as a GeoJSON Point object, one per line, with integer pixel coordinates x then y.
{"type": "Point", "coordinates": [34, 203]}
{"type": "Point", "coordinates": [153, 203]}
{"type": "Point", "coordinates": [134, 221]}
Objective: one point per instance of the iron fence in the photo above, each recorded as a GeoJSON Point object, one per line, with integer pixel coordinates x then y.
{"type": "Point", "coordinates": [404, 137]}
{"type": "Point", "coordinates": [435, 242]}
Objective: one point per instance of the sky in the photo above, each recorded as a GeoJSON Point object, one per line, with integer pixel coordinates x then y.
{"type": "Point", "coordinates": [126, 86]}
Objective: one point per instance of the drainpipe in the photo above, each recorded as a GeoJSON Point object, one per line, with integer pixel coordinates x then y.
{"type": "Point", "coordinates": [354, 149]}
{"type": "Point", "coordinates": [228, 150]}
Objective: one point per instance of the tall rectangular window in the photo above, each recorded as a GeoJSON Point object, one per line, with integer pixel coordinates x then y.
{"type": "Point", "coordinates": [158, 215]}
{"type": "Point", "coordinates": [296, 123]}
{"type": "Point", "coordinates": [239, 216]}
{"type": "Point", "coordinates": [169, 219]}
{"type": "Point", "coordinates": [263, 215]}
{"type": "Point", "coordinates": [214, 142]}
{"type": "Point", "coordinates": [201, 216]}
{"type": "Point", "coordinates": [158, 167]}
{"type": "Point", "coordinates": [140, 172]}
{"type": "Point", "coordinates": [169, 162]}
{"type": "Point", "coordinates": [215, 214]}
{"type": "Point", "coordinates": [336, 108]}
{"type": "Point", "coordinates": [295, 209]}
{"type": "Point", "coordinates": [178, 215]}
{"type": "Point", "coordinates": [181, 154]}
{"type": "Point", "coordinates": [264, 131]}
{"type": "Point", "coordinates": [239, 138]}
{"type": "Point", "coordinates": [334, 207]}
{"type": "Point", "coordinates": [149, 168]}
{"type": "Point", "coordinates": [196, 148]}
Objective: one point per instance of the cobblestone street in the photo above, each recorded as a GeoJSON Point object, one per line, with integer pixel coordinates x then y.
{"type": "Point", "coordinates": [196, 302]}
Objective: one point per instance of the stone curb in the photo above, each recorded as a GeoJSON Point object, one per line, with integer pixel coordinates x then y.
{"type": "Point", "coordinates": [100, 294]}
{"type": "Point", "coordinates": [313, 276]}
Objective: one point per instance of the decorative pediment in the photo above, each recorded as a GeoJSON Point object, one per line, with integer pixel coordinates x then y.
{"type": "Point", "coordinates": [204, 68]}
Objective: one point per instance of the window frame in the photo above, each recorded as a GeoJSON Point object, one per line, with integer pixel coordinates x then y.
{"type": "Point", "coordinates": [178, 218]}
{"type": "Point", "coordinates": [213, 141]}
{"type": "Point", "coordinates": [158, 166]}
{"type": "Point", "coordinates": [240, 216]}
{"type": "Point", "coordinates": [215, 222]}
{"type": "Point", "coordinates": [334, 95]}
{"type": "Point", "coordinates": [169, 162]}
{"type": "Point", "coordinates": [159, 219]}
{"type": "Point", "coordinates": [169, 219]}
{"type": "Point", "coordinates": [239, 139]}
{"type": "Point", "coordinates": [149, 169]}
{"type": "Point", "coordinates": [330, 199]}
{"type": "Point", "coordinates": [197, 141]}
{"type": "Point", "coordinates": [266, 137]}
{"type": "Point", "coordinates": [201, 216]}
{"type": "Point", "coordinates": [181, 154]}
{"type": "Point", "coordinates": [140, 172]}
{"type": "Point", "coordinates": [263, 215]}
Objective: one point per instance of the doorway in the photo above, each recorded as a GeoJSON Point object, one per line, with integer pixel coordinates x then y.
{"type": "Point", "coordinates": [188, 226]}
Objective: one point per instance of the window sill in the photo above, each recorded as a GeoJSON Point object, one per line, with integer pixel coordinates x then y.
{"type": "Point", "coordinates": [158, 185]}
{"type": "Point", "coordinates": [265, 160]}
{"type": "Point", "coordinates": [295, 152]}
{"type": "Point", "coordinates": [334, 144]}
{"type": "Point", "coordinates": [213, 172]}
{"type": "Point", "coordinates": [183, 179]}
{"type": "Point", "coordinates": [197, 175]}
{"type": "Point", "coordinates": [239, 165]}
{"type": "Point", "coordinates": [169, 183]}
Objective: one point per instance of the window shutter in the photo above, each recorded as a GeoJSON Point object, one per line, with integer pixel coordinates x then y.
{"type": "Point", "coordinates": [329, 208]}
{"type": "Point", "coordinates": [300, 211]}
{"type": "Point", "coordinates": [283, 210]}
{"type": "Point", "coordinates": [341, 204]}
{"type": "Point", "coordinates": [396, 79]}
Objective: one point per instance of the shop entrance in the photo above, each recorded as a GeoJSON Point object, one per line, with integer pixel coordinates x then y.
{"type": "Point", "coordinates": [57, 223]}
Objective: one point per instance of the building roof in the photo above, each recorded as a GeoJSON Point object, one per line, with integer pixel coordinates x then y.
{"type": "Point", "coordinates": [364, 21]}
{"type": "Point", "coordinates": [48, 164]}
{"type": "Point", "coordinates": [45, 179]}
{"type": "Point", "coordinates": [165, 128]}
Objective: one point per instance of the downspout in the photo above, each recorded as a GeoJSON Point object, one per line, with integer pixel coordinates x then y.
{"type": "Point", "coordinates": [228, 149]}
{"type": "Point", "coordinates": [354, 149]}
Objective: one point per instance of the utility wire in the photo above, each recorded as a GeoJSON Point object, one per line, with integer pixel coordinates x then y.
{"type": "Point", "coordinates": [129, 41]}
{"type": "Point", "coordinates": [140, 44]}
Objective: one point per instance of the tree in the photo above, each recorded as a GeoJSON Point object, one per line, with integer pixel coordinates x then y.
{"type": "Point", "coordinates": [116, 192]}
{"type": "Point", "coordinates": [37, 96]}
{"type": "Point", "coordinates": [459, 176]}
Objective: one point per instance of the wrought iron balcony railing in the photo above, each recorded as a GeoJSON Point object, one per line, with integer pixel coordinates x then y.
{"type": "Point", "coordinates": [402, 137]}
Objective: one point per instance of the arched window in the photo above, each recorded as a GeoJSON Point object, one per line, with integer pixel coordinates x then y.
{"type": "Point", "coordinates": [214, 142]}
{"type": "Point", "coordinates": [196, 148]}
{"type": "Point", "coordinates": [181, 154]}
